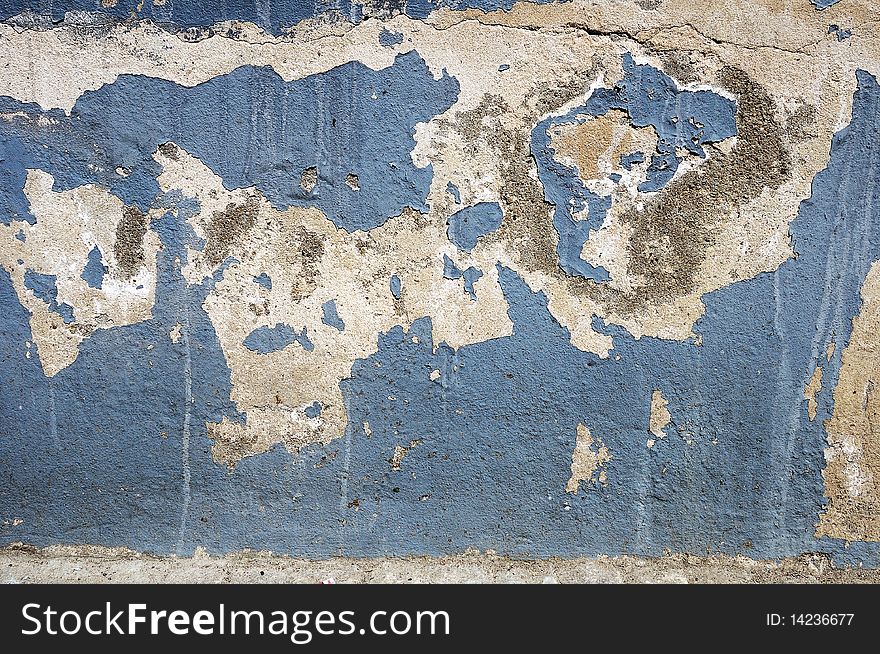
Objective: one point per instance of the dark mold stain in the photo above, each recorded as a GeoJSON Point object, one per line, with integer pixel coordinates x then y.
{"type": "Point", "coordinates": [169, 150]}
{"type": "Point", "coordinates": [308, 249]}
{"type": "Point", "coordinates": [129, 245]}
{"type": "Point", "coordinates": [677, 64]}
{"type": "Point", "coordinates": [228, 226]}
{"type": "Point", "coordinates": [671, 235]}
{"type": "Point", "coordinates": [801, 124]}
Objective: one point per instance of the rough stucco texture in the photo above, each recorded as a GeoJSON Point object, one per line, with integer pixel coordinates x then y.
{"type": "Point", "coordinates": [391, 278]}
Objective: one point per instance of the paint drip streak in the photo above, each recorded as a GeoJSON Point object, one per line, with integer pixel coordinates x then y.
{"type": "Point", "coordinates": [187, 410]}
{"type": "Point", "coordinates": [53, 418]}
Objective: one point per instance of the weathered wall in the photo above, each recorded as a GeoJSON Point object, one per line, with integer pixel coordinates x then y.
{"type": "Point", "coordinates": [393, 278]}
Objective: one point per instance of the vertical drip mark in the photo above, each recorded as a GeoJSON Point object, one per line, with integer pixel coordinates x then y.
{"type": "Point", "coordinates": [187, 409]}
{"type": "Point", "coordinates": [263, 10]}
{"type": "Point", "coordinates": [791, 386]}
{"type": "Point", "coordinates": [642, 505]}
{"type": "Point", "coordinates": [775, 518]}
{"type": "Point", "coordinates": [343, 479]}
{"type": "Point", "coordinates": [53, 418]}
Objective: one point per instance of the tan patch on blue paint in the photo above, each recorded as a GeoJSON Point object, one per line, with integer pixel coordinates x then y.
{"type": "Point", "coordinates": [811, 390]}
{"type": "Point", "coordinates": [852, 473]}
{"type": "Point", "coordinates": [659, 417]}
{"type": "Point", "coordinates": [596, 145]}
{"type": "Point", "coordinates": [587, 460]}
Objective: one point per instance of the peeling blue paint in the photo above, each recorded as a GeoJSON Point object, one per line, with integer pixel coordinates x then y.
{"type": "Point", "coordinates": [275, 16]}
{"type": "Point", "coordinates": [565, 190]}
{"type": "Point", "coordinates": [740, 471]}
{"type": "Point", "coordinates": [94, 270]}
{"type": "Point", "coordinates": [313, 410]}
{"type": "Point", "coordinates": [121, 125]}
{"type": "Point", "coordinates": [839, 32]}
{"type": "Point", "coordinates": [452, 189]}
{"type": "Point", "coordinates": [823, 4]}
{"type": "Point", "coordinates": [272, 339]}
{"type": "Point", "coordinates": [484, 5]}
{"type": "Point", "coordinates": [470, 223]}
{"type": "Point", "coordinates": [331, 317]}
{"type": "Point", "coordinates": [394, 286]}
{"type": "Point", "coordinates": [264, 280]}
{"type": "Point", "coordinates": [389, 38]}
{"type": "Point", "coordinates": [44, 288]}
{"type": "Point", "coordinates": [629, 160]}
{"type": "Point", "coordinates": [682, 119]}
{"type": "Point", "coordinates": [470, 275]}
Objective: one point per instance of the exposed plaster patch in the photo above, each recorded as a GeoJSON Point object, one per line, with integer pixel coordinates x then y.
{"type": "Point", "coordinates": [596, 145]}
{"type": "Point", "coordinates": [309, 179]}
{"type": "Point", "coordinates": [400, 452]}
{"type": "Point", "coordinates": [70, 224]}
{"type": "Point", "coordinates": [660, 417]}
{"type": "Point", "coordinates": [585, 460]}
{"type": "Point", "coordinates": [310, 263]}
{"type": "Point", "coordinates": [852, 471]}
{"type": "Point", "coordinates": [813, 387]}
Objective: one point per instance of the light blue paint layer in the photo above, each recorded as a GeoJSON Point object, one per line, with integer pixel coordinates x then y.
{"type": "Point", "coordinates": [331, 316]}
{"type": "Point", "coordinates": [44, 288]}
{"type": "Point", "coordinates": [503, 415]}
{"type": "Point", "coordinates": [264, 280]}
{"type": "Point", "coordinates": [394, 286]}
{"type": "Point", "coordinates": [340, 131]}
{"type": "Point", "coordinates": [470, 223]}
{"type": "Point", "coordinates": [272, 339]}
{"type": "Point", "coordinates": [389, 38]}
{"type": "Point", "coordinates": [470, 275]}
{"type": "Point", "coordinates": [313, 410]}
{"type": "Point", "coordinates": [452, 189]}
{"type": "Point", "coordinates": [629, 160]}
{"type": "Point", "coordinates": [94, 270]}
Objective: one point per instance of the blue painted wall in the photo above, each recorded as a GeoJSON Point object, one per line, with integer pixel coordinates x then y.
{"type": "Point", "coordinates": [96, 454]}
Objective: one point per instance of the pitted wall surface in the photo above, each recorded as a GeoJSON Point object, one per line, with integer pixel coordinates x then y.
{"type": "Point", "coordinates": [562, 279]}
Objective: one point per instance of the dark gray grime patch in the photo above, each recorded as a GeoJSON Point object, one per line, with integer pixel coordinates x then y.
{"type": "Point", "coordinates": [129, 245]}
